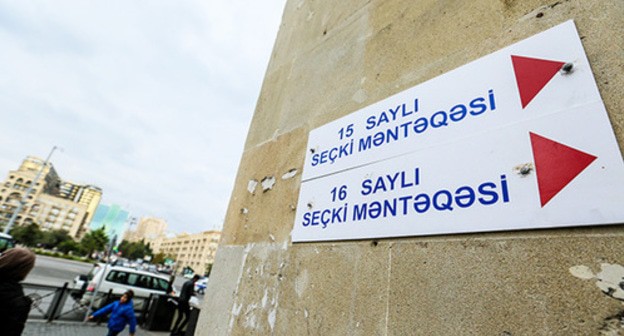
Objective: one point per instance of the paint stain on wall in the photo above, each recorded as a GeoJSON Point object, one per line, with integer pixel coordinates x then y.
{"type": "Point", "coordinates": [610, 281]}
{"type": "Point", "coordinates": [290, 174]}
{"type": "Point", "coordinates": [267, 183]}
{"type": "Point", "coordinates": [251, 186]}
{"type": "Point", "coordinates": [301, 283]}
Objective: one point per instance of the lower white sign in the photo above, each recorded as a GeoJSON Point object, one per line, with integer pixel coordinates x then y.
{"type": "Point", "coordinates": [527, 175]}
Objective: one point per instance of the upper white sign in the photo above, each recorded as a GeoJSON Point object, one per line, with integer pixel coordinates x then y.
{"type": "Point", "coordinates": [518, 139]}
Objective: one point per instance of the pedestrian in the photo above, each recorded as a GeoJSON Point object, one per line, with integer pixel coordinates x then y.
{"type": "Point", "coordinates": [122, 313]}
{"type": "Point", "coordinates": [184, 308]}
{"type": "Point", "coordinates": [15, 264]}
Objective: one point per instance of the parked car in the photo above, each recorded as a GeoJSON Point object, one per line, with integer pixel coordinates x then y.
{"type": "Point", "coordinates": [81, 281]}
{"type": "Point", "coordinates": [200, 285]}
{"type": "Point", "coordinates": [6, 242]}
{"type": "Point", "coordinates": [119, 280]}
{"type": "Point", "coordinates": [165, 269]}
{"type": "Point", "coordinates": [121, 262]}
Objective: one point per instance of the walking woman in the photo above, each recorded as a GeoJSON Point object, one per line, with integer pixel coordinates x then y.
{"type": "Point", "coordinates": [122, 313]}
{"type": "Point", "coordinates": [15, 264]}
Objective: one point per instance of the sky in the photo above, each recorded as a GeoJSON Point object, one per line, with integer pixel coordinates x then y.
{"type": "Point", "coordinates": [149, 100]}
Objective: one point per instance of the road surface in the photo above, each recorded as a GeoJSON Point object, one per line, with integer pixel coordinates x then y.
{"type": "Point", "coordinates": [56, 271]}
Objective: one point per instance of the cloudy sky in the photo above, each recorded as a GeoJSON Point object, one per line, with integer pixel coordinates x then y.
{"type": "Point", "coordinates": [149, 100]}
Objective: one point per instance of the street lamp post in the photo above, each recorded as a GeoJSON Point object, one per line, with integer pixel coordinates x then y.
{"type": "Point", "coordinates": [112, 243]}
{"type": "Point", "coordinates": [28, 191]}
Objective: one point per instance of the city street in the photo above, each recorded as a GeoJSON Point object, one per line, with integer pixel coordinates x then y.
{"type": "Point", "coordinates": [55, 271]}
{"type": "Point", "coordinates": [78, 329]}
{"type": "Point", "coordinates": [49, 271]}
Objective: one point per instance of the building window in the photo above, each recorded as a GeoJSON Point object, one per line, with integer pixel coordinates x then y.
{"type": "Point", "coordinates": [14, 198]}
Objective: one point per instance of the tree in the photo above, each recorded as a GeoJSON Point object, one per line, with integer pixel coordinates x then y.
{"type": "Point", "coordinates": [54, 238]}
{"type": "Point", "coordinates": [134, 250]}
{"type": "Point", "coordinates": [159, 258]}
{"type": "Point", "coordinates": [95, 240]}
{"type": "Point", "coordinates": [70, 246]}
{"type": "Point", "coordinates": [28, 235]}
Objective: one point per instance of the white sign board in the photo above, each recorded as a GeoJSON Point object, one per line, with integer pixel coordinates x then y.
{"type": "Point", "coordinates": [518, 139]}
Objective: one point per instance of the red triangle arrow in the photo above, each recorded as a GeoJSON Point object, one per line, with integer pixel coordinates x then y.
{"type": "Point", "coordinates": [556, 165]}
{"type": "Point", "coordinates": [532, 74]}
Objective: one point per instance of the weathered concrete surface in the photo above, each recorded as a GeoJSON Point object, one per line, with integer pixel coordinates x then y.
{"type": "Point", "coordinates": [253, 211]}
{"type": "Point", "coordinates": [334, 57]}
{"type": "Point", "coordinates": [220, 303]}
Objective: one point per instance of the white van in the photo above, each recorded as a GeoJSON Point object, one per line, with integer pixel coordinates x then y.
{"type": "Point", "coordinates": [120, 279]}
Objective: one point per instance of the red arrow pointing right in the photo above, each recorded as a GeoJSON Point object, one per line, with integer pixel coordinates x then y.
{"type": "Point", "coordinates": [556, 165]}
{"type": "Point", "coordinates": [532, 74]}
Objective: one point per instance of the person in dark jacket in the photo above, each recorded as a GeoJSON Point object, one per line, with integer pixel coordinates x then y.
{"type": "Point", "coordinates": [15, 264]}
{"type": "Point", "coordinates": [122, 313]}
{"type": "Point", "coordinates": [184, 309]}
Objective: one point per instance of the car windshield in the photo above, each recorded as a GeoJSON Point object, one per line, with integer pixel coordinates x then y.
{"type": "Point", "coordinates": [5, 244]}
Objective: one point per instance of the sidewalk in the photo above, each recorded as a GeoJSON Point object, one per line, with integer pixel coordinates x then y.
{"type": "Point", "coordinates": [35, 328]}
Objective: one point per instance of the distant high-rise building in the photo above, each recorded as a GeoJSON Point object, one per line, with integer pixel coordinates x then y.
{"type": "Point", "coordinates": [113, 218]}
{"type": "Point", "coordinates": [148, 229]}
{"type": "Point", "coordinates": [87, 195]}
{"type": "Point", "coordinates": [49, 204]}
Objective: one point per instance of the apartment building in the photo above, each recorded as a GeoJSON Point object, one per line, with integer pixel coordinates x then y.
{"type": "Point", "coordinates": [53, 204]}
{"type": "Point", "coordinates": [190, 250]}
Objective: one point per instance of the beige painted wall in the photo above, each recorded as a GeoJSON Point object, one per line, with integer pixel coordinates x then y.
{"type": "Point", "coordinates": [334, 57]}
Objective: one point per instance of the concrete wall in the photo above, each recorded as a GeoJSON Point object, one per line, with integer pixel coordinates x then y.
{"type": "Point", "coordinates": [334, 57]}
